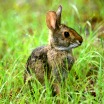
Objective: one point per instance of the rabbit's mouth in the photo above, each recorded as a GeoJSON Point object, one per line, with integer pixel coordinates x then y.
{"type": "Point", "coordinates": [72, 45]}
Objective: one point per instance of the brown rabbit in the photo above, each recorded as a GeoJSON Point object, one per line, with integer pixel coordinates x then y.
{"type": "Point", "coordinates": [56, 58]}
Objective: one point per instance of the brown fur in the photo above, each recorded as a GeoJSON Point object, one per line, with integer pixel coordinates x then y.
{"type": "Point", "coordinates": [56, 58]}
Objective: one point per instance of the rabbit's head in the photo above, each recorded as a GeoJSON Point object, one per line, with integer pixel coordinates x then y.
{"type": "Point", "coordinates": [62, 37]}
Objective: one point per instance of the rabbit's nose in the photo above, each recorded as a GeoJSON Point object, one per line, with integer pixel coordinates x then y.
{"type": "Point", "coordinates": [80, 41]}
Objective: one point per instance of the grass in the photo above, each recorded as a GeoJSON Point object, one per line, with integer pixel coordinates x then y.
{"type": "Point", "coordinates": [23, 27]}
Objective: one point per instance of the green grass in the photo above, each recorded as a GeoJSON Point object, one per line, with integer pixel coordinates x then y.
{"type": "Point", "coordinates": [23, 27]}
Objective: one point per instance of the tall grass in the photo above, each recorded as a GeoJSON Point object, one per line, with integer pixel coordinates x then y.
{"type": "Point", "coordinates": [23, 27]}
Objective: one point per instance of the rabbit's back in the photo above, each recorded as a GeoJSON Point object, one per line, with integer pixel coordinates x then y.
{"type": "Point", "coordinates": [37, 63]}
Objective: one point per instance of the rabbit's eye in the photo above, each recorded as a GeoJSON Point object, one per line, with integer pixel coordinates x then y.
{"type": "Point", "coordinates": [66, 34]}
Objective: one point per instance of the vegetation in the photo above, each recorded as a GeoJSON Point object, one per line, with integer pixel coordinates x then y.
{"type": "Point", "coordinates": [23, 27]}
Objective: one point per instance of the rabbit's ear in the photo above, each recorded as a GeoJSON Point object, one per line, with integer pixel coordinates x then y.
{"type": "Point", "coordinates": [51, 19]}
{"type": "Point", "coordinates": [59, 15]}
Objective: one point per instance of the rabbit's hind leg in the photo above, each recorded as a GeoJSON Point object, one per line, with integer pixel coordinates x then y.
{"type": "Point", "coordinates": [28, 80]}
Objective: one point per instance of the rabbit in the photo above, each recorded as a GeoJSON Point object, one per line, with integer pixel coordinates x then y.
{"type": "Point", "coordinates": [55, 59]}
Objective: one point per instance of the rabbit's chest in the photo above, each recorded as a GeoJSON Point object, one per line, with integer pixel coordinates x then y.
{"type": "Point", "coordinates": [60, 63]}
{"type": "Point", "coordinates": [60, 59]}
